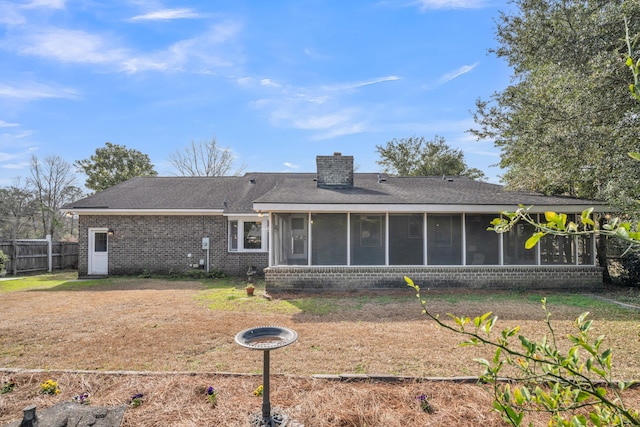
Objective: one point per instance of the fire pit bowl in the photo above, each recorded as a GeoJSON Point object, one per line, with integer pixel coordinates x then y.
{"type": "Point", "coordinates": [266, 337]}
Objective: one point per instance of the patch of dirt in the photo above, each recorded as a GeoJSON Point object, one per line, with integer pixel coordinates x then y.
{"type": "Point", "coordinates": [159, 326]}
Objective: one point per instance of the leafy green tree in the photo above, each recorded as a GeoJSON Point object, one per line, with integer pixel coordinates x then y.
{"type": "Point", "coordinates": [113, 164]}
{"type": "Point", "coordinates": [53, 185]}
{"type": "Point", "coordinates": [18, 211]}
{"type": "Point", "coordinates": [576, 387]}
{"type": "Point", "coordinates": [416, 156]}
{"type": "Point", "coordinates": [204, 158]}
{"type": "Point", "coordinates": [567, 121]}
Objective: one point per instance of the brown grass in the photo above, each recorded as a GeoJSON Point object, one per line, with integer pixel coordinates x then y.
{"type": "Point", "coordinates": [160, 326]}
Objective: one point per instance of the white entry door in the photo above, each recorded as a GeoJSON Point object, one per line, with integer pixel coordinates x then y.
{"type": "Point", "coordinates": [98, 252]}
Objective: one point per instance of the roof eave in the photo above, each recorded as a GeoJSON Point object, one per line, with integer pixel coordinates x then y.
{"type": "Point", "coordinates": [107, 211]}
{"type": "Point", "coordinates": [407, 208]}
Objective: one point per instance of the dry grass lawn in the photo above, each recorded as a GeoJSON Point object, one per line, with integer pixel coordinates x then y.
{"type": "Point", "coordinates": [178, 337]}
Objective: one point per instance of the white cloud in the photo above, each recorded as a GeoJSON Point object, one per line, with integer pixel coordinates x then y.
{"type": "Point", "coordinates": [244, 81]}
{"type": "Point", "coordinates": [49, 4]}
{"type": "Point", "coordinates": [4, 124]}
{"type": "Point", "coordinates": [322, 122]}
{"type": "Point", "coordinates": [450, 4]}
{"type": "Point", "coordinates": [335, 132]}
{"type": "Point", "coordinates": [269, 83]}
{"type": "Point", "coordinates": [9, 14]}
{"type": "Point", "coordinates": [456, 73]}
{"type": "Point", "coordinates": [310, 53]}
{"type": "Point", "coordinates": [167, 14]}
{"type": "Point", "coordinates": [33, 91]}
{"type": "Point", "coordinates": [291, 165]}
{"type": "Point", "coordinates": [319, 110]}
{"type": "Point", "coordinates": [197, 54]}
{"type": "Point", "coordinates": [14, 165]}
{"type": "Point", "coordinates": [206, 50]}
{"type": "Point", "coordinates": [67, 46]}
{"type": "Point", "coordinates": [356, 85]}
{"type": "Point", "coordinates": [22, 134]}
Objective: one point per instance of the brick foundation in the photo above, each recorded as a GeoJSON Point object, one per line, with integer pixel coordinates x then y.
{"type": "Point", "coordinates": [320, 279]}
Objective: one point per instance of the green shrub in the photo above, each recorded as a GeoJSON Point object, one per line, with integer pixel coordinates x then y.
{"type": "Point", "coordinates": [189, 274]}
{"type": "Point", "coordinates": [201, 274]}
{"type": "Point", "coordinates": [3, 263]}
{"type": "Point", "coordinates": [631, 265]}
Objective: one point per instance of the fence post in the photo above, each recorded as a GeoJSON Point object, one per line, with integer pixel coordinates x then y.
{"type": "Point", "coordinates": [49, 253]}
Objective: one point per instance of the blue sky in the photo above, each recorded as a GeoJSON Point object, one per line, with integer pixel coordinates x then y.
{"type": "Point", "coordinates": [278, 82]}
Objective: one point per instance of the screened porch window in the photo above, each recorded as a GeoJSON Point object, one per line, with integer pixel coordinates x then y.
{"type": "Point", "coordinates": [444, 239]}
{"type": "Point", "coordinates": [329, 239]}
{"type": "Point", "coordinates": [513, 242]}
{"type": "Point", "coordinates": [368, 239]}
{"type": "Point", "coordinates": [406, 239]}
{"type": "Point", "coordinates": [483, 246]}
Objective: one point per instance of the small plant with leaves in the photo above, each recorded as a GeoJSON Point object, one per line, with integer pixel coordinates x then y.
{"type": "Point", "coordinates": [81, 399]}
{"type": "Point", "coordinates": [8, 386]}
{"type": "Point", "coordinates": [258, 391]}
{"type": "Point", "coordinates": [212, 395]}
{"type": "Point", "coordinates": [425, 405]}
{"type": "Point", "coordinates": [559, 224]}
{"type": "Point", "coordinates": [575, 387]}
{"type": "Point", "coordinates": [634, 66]}
{"type": "Point", "coordinates": [136, 400]}
{"type": "Point", "coordinates": [49, 387]}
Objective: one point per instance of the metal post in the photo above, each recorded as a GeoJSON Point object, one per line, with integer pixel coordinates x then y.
{"type": "Point", "coordinates": [266, 404]}
{"type": "Point", "coordinates": [49, 254]}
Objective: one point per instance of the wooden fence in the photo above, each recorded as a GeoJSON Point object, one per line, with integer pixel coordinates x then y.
{"type": "Point", "coordinates": [28, 256]}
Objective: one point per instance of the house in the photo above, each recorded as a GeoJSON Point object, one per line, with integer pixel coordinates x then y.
{"type": "Point", "coordinates": [330, 230]}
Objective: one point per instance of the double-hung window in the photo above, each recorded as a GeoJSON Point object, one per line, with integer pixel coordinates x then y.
{"type": "Point", "coordinates": [247, 234]}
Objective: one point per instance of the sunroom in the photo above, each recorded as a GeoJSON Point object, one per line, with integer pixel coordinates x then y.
{"type": "Point", "coordinates": [415, 239]}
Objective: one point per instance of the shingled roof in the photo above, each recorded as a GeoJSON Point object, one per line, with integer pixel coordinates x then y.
{"type": "Point", "coordinates": [231, 194]}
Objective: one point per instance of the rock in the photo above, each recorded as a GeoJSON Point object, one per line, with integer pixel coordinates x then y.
{"type": "Point", "coordinates": [69, 414]}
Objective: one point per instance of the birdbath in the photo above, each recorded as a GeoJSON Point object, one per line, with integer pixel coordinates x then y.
{"type": "Point", "coordinates": [266, 338]}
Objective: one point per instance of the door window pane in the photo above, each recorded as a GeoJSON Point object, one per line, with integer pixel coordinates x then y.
{"type": "Point", "coordinates": [100, 242]}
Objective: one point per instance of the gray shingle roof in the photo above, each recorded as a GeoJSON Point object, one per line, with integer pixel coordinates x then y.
{"type": "Point", "coordinates": [237, 194]}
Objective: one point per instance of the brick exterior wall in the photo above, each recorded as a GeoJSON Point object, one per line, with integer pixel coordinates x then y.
{"type": "Point", "coordinates": [334, 171]}
{"type": "Point", "coordinates": [321, 279]}
{"type": "Point", "coordinates": [160, 244]}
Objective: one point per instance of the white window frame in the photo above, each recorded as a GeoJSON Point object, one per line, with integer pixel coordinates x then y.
{"type": "Point", "coordinates": [241, 220]}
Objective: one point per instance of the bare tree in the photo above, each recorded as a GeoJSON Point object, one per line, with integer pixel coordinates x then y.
{"type": "Point", "coordinates": [204, 158]}
{"type": "Point", "coordinates": [53, 185]}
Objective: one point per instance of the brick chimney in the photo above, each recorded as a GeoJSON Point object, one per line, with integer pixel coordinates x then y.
{"type": "Point", "coordinates": [334, 171]}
